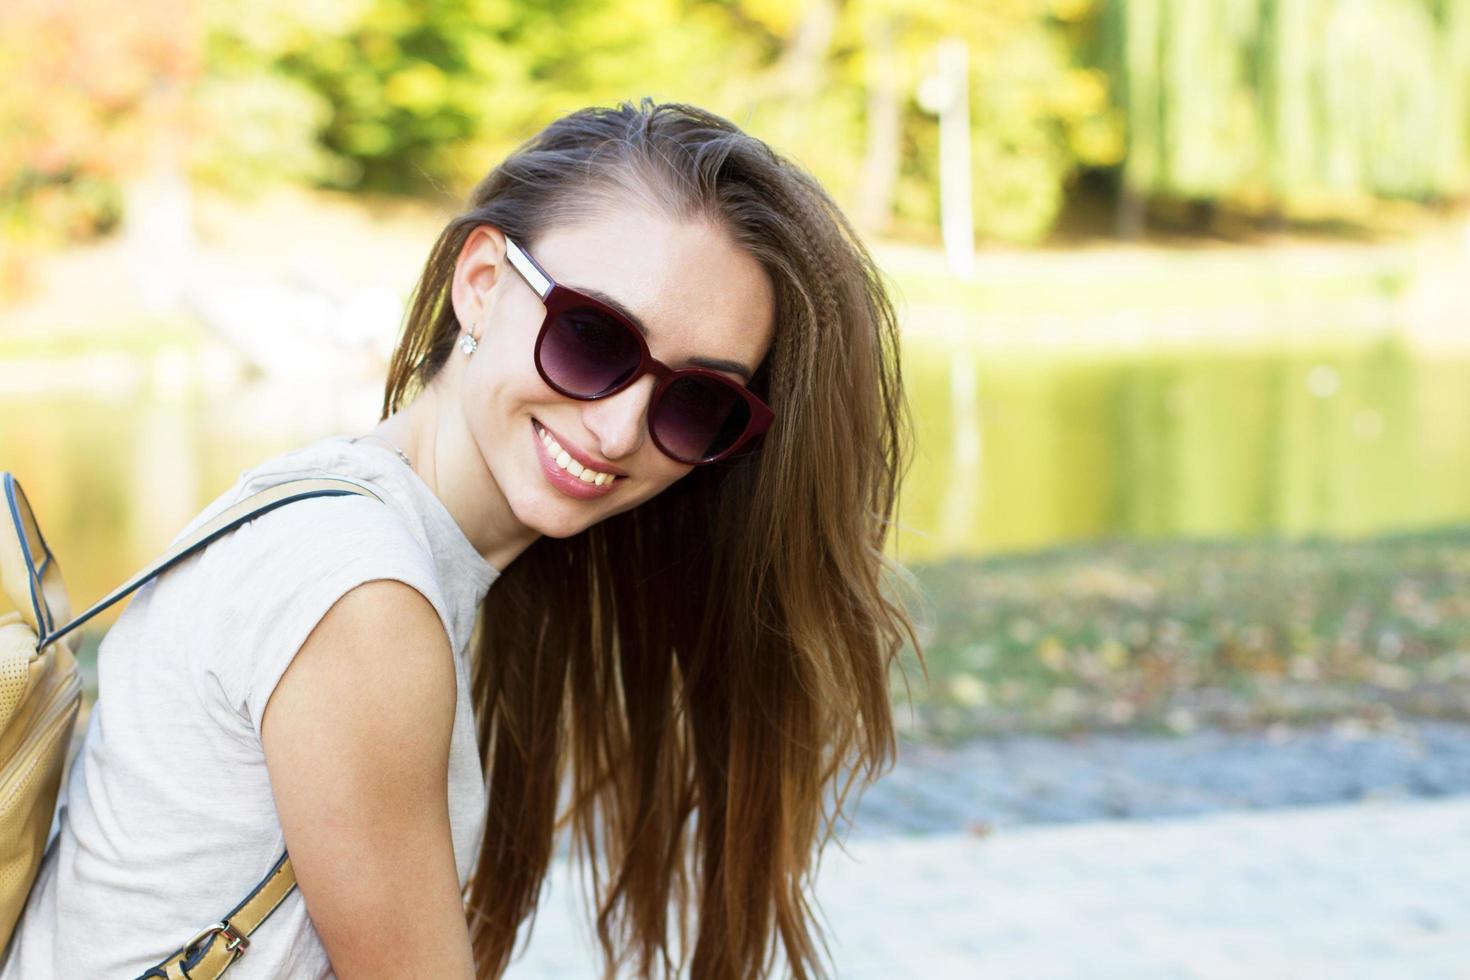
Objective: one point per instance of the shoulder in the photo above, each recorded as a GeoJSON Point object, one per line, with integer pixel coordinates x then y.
{"type": "Point", "coordinates": [377, 659]}
{"type": "Point", "coordinates": [298, 545]}
{"type": "Point", "coordinates": [329, 533]}
{"type": "Point", "coordinates": [346, 565]}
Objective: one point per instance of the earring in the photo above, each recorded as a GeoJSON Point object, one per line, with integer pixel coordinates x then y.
{"type": "Point", "coordinates": [467, 343]}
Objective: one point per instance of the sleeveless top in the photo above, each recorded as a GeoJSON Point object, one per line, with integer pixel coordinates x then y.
{"type": "Point", "coordinates": [166, 819]}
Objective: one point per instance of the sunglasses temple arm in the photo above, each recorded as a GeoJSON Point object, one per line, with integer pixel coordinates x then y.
{"type": "Point", "coordinates": [527, 267]}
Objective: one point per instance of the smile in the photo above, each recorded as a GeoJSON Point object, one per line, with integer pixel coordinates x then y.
{"type": "Point", "coordinates": [568, 474]}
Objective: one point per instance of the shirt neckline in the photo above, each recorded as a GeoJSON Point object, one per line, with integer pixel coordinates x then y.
{"type": "Point", "coordinates": [486, 573]}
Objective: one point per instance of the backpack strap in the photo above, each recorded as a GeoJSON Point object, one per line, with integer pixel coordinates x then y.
{"type": "Point", "coordinates": [248, 509]}
{"type": "Point", "coordinates": [210, 953]}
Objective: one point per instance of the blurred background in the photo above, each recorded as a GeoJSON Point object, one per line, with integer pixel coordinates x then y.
{"type": "Point", "coordinates": [1185, 293]}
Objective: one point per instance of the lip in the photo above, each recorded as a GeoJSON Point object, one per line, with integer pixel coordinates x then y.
{"type": "Point", "coordinates": [562, 479]}
{"type": "Point", "coordinates": [578, 454]}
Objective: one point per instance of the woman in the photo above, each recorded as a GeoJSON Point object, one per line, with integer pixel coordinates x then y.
{"type": "Point", "coordinates": [689, 621]}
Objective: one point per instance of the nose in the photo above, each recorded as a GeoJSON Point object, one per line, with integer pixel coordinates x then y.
{"type": "Point", "coordinates": [620, 422]}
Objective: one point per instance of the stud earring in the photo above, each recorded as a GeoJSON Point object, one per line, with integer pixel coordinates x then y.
{"type": "Point", "coordinates": [467, 343]}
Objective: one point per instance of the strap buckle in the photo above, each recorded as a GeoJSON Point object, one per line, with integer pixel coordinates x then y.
{"type": "Point", "coordinates": [235, 942]}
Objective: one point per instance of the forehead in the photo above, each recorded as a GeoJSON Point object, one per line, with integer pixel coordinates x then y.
{"type": "Point", "coordinates": [696, 291]}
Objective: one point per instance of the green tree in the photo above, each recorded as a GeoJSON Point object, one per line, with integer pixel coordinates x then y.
{"type": "Point", "coordinates": [1040, 112]}
{"type": "Point", "coordinates": [1308, 106]}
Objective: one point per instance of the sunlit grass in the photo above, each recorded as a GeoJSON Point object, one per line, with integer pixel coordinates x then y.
{"type": "Point", "coordinates": [1169, 636]}
{"type": "Point", "coordinates": [1101, 281]}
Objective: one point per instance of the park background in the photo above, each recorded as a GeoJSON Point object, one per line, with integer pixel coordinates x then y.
{"type": "Point", "coordinates": [1184, 288]}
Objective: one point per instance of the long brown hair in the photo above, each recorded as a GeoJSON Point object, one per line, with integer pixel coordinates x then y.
{"type": "Point", "coordinates": [710, 662]}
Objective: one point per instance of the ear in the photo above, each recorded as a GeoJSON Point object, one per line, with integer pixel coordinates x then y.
{"type": "Point", "coordinates": [480, 262]}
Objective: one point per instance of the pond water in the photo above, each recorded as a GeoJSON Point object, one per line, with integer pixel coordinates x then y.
{"type": "Point", "coordinates": [1020, 450]}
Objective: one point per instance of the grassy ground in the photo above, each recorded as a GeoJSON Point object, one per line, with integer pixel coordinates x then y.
{"type": "Point", "coordinates": [1176, 635]}
{"type": "Point", "coordinates": [1139, 278]}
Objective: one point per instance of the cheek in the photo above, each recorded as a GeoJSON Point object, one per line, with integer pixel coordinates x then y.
{"type": "Point", "coordinates": [501, 372]}
{"type": "Point", "coordinates": [511, 335]}
{"type": "Point", "coordinates": [664, 472]}
{"type": "Point", "coordinates": [481, 384]}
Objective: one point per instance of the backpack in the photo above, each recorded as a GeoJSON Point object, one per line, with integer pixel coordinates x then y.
{"type": "Point", "coordinates": [40, 694]}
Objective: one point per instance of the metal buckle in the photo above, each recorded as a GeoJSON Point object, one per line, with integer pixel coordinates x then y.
{"type": "Point", "coordinates": [234, 941]}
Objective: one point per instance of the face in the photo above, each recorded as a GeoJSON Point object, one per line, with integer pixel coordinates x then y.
{"type": "Point", "coordinates": [699, 296]}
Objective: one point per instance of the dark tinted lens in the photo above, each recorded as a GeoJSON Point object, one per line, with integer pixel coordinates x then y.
{"type": "Point", "coordinates": [587, 352]}
{"type": "Point", "coordinates": [699, 417]}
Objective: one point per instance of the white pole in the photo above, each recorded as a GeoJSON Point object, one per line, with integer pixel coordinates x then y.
{"type": "Point", "coordinates": [947, 94]}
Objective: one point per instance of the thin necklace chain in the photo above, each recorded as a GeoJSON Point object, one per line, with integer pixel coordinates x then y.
{"type": "Point", "coordinates": [401, 454]}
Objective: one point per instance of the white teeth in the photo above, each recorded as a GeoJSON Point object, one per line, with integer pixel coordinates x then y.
{"type": "Point", "coordinates": [564, 460]}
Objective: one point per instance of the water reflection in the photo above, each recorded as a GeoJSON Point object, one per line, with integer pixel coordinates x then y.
{"type": "Point", "coordinates": [1019, 450]}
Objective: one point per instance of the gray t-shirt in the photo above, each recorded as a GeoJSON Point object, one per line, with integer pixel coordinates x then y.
{"type": "Point", "coordinates": [166, 820]}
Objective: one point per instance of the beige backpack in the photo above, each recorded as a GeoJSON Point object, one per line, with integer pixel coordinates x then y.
{"type": "Point", "coordinates": [41, 690]}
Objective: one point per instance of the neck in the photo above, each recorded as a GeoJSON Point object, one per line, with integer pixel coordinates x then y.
{"type": "Point", "coordinates": [446, 458]}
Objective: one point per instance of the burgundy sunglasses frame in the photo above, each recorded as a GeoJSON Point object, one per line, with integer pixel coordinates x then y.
{"type": "Point", "coordinates": [558, 299]}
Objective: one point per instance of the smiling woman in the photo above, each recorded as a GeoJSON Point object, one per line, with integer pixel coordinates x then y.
{"type": "Point", "coordinates": [648, 390]}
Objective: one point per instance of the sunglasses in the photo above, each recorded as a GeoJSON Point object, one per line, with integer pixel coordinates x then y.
{"type": "Point", "coordinates": [587, 350]}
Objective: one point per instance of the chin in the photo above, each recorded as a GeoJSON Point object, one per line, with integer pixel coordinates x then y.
{"type": "Point", "coordinates": [552, 523]}
{"type": "Point", "coordinates": [564, 529]}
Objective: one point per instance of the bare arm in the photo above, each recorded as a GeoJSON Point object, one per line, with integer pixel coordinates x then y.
{"type": "Point", "coordinates": [356, 736]}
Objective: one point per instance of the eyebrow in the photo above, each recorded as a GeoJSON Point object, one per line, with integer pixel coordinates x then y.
{"type": "Point", "coordinates": [714, 363]}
